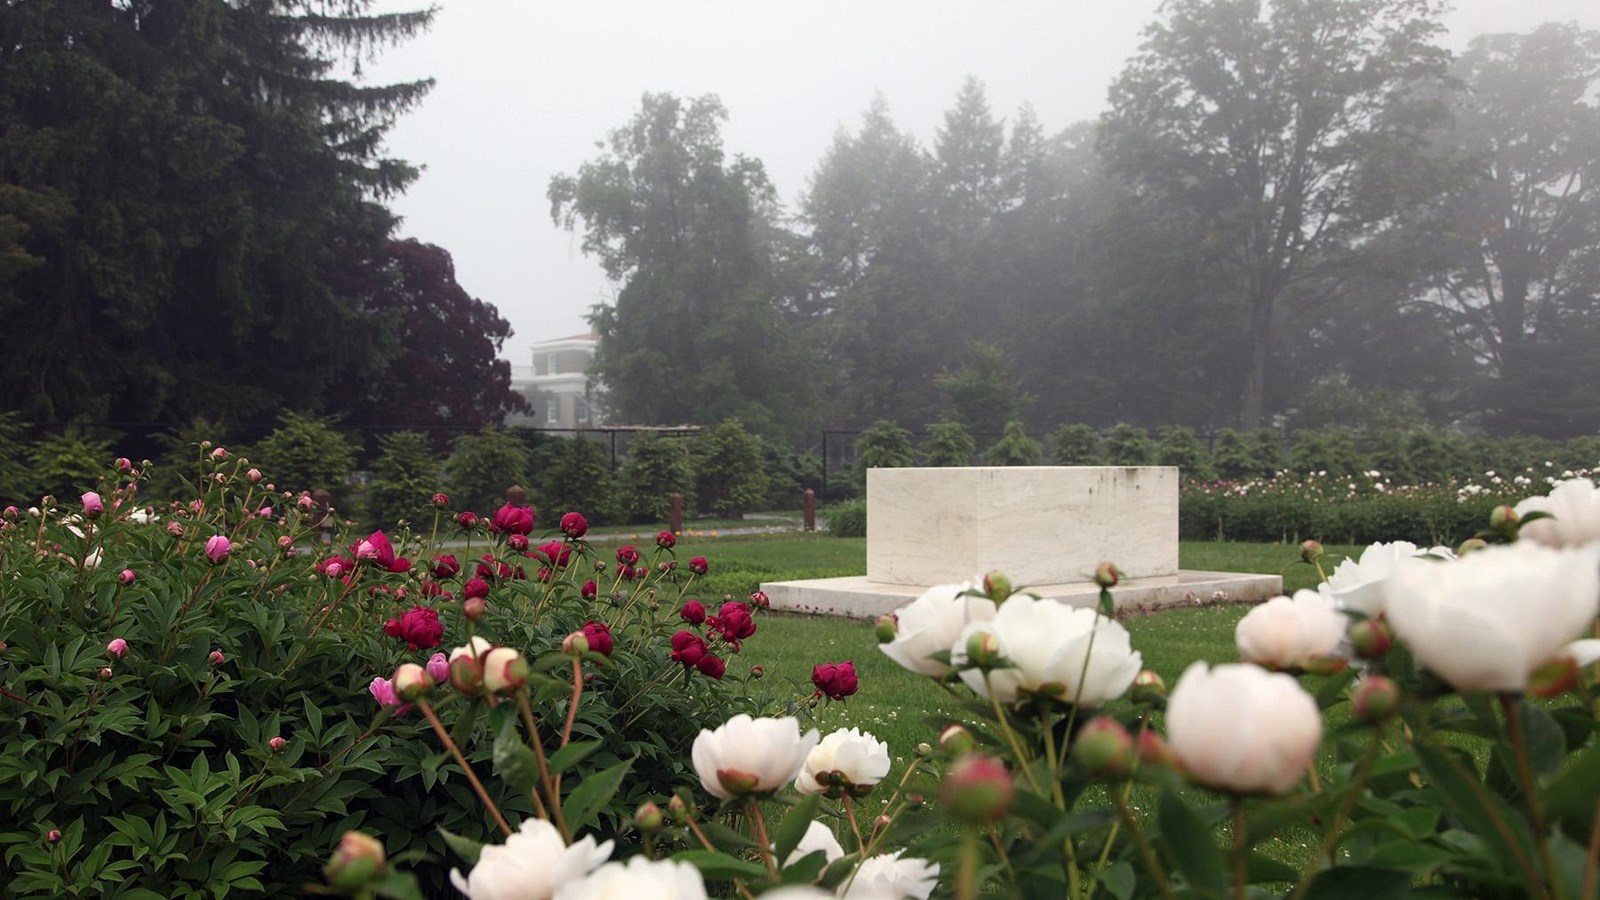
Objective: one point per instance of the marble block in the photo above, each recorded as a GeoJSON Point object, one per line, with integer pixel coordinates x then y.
{"type": "Point", "coordinates": [1037, 524]}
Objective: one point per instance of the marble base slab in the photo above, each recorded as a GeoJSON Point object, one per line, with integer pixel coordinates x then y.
{"type": "Point", "coordinates": [1037, 524]}
{"type": "Point", "coordinates": [856, 597]}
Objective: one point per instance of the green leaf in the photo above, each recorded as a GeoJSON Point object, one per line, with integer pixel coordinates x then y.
{"type": "Point", "coordinates": [1486, 815]}
{"type": "Point", "coordinates": [720, 866]}
{"type": "Point", "coordinates": [466, 848]}
{"type": "Point", "coordinates": [1547, 742]}
{"type": "Point", "coordinates": [1572, 797]}
{"type": "Point", "coordinates": [793, 827]}
{"type": "Point", "coordinates": [570, 755]}
{"type": "Point", "coordinates": [1260, 868]}
{"type": "Point", "coordinates": [1365, 882]}
{"type": "Point", "coordinates": [1118, 880]}
{"type": "Point", "coordinates": [513, 761]}
{"type": "Point", "coordinates": [592, 794]}
{"type": "Point", "coordinates": [1189, 841]}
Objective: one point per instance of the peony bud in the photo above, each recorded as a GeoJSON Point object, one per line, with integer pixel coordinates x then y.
{"type": "Point", "coordinates": [504, 670]}
{"type": "Point", "coordinates": [1471, 544]}
{"type": "Point", "coordinates": [1148, 686]}
{"type": "Point", "coordinates": [978, 790]}
{"type": "Point", "coordinates": [217, 658]}
{"type": "Point", "coordinates": [1107, 575]}
{"type": "Point", "coordinates": [105, 673]}
{"type": "Point", "coordinates": [666, 540]}
{"type": "Point", "coordinates": [219, 454]}
{"type": "Point", "coordinates": [1504, 518]}
{"type": "Point", "coordinates": [466, 675]}
{"type": "Point", "coordinates": [277, 744]}
{"type": "Point", "coordinates": [1326, 664]}
{"type": "Point", "coordinates": [53, 836]}
{"type": "Point", "coordinates": [474, 608]}
{"type": "Point", "coordinates": [411, 682]}
{"type": "Point", "coordinates": [574, 525]}
{"type": "Point", "coordinates": [439, 668]}
{"type": "Point", "coordinates": [693, 612]}
{"type": "Point", "coordinates": [117, 648]}
{"type": "Point", "coordinates": [1311, 551]}
{"type": "Point", "coordinates": [92, 505]}
{"type": "Point", "coordinates": [441, 501]}
{"type": "Point", "coordinates": [217, 549]}
{"type": "Point", "coordinates": [356, 863]}
{"type": "Point", "coordinates": [123, 464]}
{"type": "Point", "coordinates": [983, 649]}
{"type": "Point", "coordinates": [996, 586]}
{"type": "Point", "coordinates": [1153, 751]}
{"type": "Point", "coordinates": [887, 628]}
{"type": "Point", "coordinates": [679, 809]}
{"type": "Point", "coordinates": [1104, 748]}
{"type": "Point", "coordinates": [254, 475]}
{"type": "Point", "coordinates": [698, 565]}
{"type": "Point", "coordinates": [1376, 699]}
{"type": "Point", "coordinates": [575, 644]}
{"type": "Point", "coordinates": [757, 672]}
{"type": "Point", "coordinates": [1370, 638]}
{"type": "Point", "coordinates": [517, 542]}
{"type": "Point", "coordinates": [648, 818]}
{"type": "Point", "coordinates": [760, 600]}
{"type": "Point", "coordinates": [955, 740]}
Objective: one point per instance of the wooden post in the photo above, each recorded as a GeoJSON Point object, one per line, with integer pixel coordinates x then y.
{"type": "Point", "coordinates": [516, 496]}
{"type": "Point", "coordinates": [676, 522]}
{"type": "Point", "coordinates": [811, 510]}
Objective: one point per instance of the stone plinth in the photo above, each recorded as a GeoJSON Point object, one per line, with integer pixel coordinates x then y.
{"type": "Point", "coordinates": [1040, 525]}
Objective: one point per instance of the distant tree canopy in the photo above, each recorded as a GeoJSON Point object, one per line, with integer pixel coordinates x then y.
{"type": "Point", "coordinates": [193, 219]}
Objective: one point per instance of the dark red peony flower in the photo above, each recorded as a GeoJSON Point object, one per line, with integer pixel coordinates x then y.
{"type": "Point", "coordinates": [336, 567]}
{"type": "Point", "coordinates": [475, 587]}
{"type": "Point", "coordinates": [467, 520]}
{"type": "Point", "coordinates": [557, 553]}
{"type": "Point", "coordinates": [698, 565]}
{"type": "Point", "coordinates": [835, 681]}
{"type": "Point", "coordinates": [446, 566]}
{"type": "Point", "coordinates": [628, 554]}
{"type": "Point", "coordinates": [666, 540]}
{"type": "Point", "coordinates": [688, 647]}
{"type": "Point", "coordinates": [431, 588]}
{"type": "Point", "coordinates": [734, 621]}
{"type": "Point", "coordinates": [599, 635]}
{"type": "Point", "coordinates": [418, 626]}
{"type": "Point", "coordinates": [511, 519]}
{"type": "Point", "coordinates": [760, 600]}
{"type": "Point", "coordinates": [574, 525]}
{"type": "Point", "coordinates": [590, 590]}
{"type": "Point", "coordinates": [376, 549]}
{"type": "Point", "coordinates": [517, 542]}
{"type": "Point", "coordinates": [712, 666]}
{"type": "Point", "coordinates": [693, 612]}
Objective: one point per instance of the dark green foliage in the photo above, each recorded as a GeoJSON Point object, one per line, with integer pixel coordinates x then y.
{"type": "Point", "coordinates": [306, 453]}
{"type": "Point", "coordinates": [948, 444]}
{"type": "Point", "coordinates": [15, 477]}
{"type": "Point", "coordinates": [789, 474]}
{"type": "Point", "coordinates": [578, 479]}
{"type": "Point", "coordinates": [1237, 455]}
{"type": "Point", "coordinates": [847, 519]}
{"type": "Point", "coordinates": [178, 464]}
{"type": "Point", "coordinates": [481, 466]}
{"type": "Point", "coordinates": [983, 394]}
{"type": "Point", "coordinates": [1075, 445]}
{"type": "Point", "coordinates": [405, 476]}
{"type": "Point", "coordinates": [65, 462]}
{"type": "Point", "coordinates": [883, 446]}
{"type": "Point", "coordinates": [728, 478]}
{"type": "Point", "coordinates": [1331, 452]}
{"type": "Point", "coordinates": [656, 468]}
{"type": "Point", "coordinates": [1128, 445]}
{"type": "Point", "coordinates": [1014, 448]}
{"type": "Point", "coordinates": [1180, 446]}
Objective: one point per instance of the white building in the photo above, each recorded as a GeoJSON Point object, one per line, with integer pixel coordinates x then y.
{"type": "Point", "coordinates": [558, 384]}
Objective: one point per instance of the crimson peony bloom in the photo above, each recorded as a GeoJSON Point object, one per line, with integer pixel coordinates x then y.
{"type": "Point", "coordinates": [574, 525]}
{"type": "Point", "coordinates": [698, 565]}
{"type": "Point", "coordinates": [628, 554]}
{"type": "Point", "coordinates": [599, 635]}
{"type": "Point", "coordinates": [589, 590]}
{"type": "Point", "coordinates": [835, 681]}
{"type": "Point", "coordinates": [517, 542]}
{"type": "Point", "coordinates": [734, 621]}
{"type": "Point", "coordinates": [693, 612]}
{"type": "Point", "coordinates": [467, 520]}
{"type": "Point", "coordinates": [666, 540]}
{"type": "Point", "coordinates": [513, 519]}
{"type": "Point", "coordinates": [446, 566]}
{"type": "Point", "coordinates": [377, 550]}
{"type": "Point", "coordinates": [557, 553]}
{"type": "Point", "coordinates": [418, 626]}
{"type": "Point", "coordinates": [712, 666]}
{"type": "Point", "coordinates": [688, 648]}
{"type": "Point", "coordinates": [475, 587]}
{"type": "Point", "coordinates": [760, 600]}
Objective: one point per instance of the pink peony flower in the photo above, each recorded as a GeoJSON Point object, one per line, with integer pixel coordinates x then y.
{"type": "Point", "coordinates": [117, 648]}
{"type": "Point", "coordinates": [92, 504]}
{"type": "Point", "coordinates": [217, 549]}
{"type": "Point", "coordinates": [376, 550]}
{"type": "Point", "coordinates": [439, 667]}
{"type": "Point", "coordinates": [128, 576]}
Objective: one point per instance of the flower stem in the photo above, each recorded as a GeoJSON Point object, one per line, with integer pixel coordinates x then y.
{"type": "Point", "coordinates": [1331, 836]}
{"type": "Point", "coordinates": [532, 725]}
{"type": "Point", "coordinates": [967, 874]}
{"type": "Point", "coordinates": [1511, 704]}
{"type": "Point", "coordinates": [1240, 879]}
{"type": "Point", "coordinates": [472, 777]}
{"type": "Point", "coordinates": [1147, 854]}
{"type": "Point", "coordinates": [765, 843]}
{"type": "Point", "coordinates": [1010, 735]}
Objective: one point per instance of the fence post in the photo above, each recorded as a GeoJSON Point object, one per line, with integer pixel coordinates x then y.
{"type": "Point", "coordinates": [676, 518]}
{"type": "Point", "coordinates": [811, 510]}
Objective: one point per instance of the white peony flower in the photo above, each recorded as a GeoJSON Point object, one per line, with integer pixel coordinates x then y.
{"type": "Point", "coordinates": [1483, 622]}
{"type": "Point", "coordinates": [750, 756]}
{"type": "Point", "coordinates": [931, 623]}
{"type": "Point", "coordinates": [532, 864]}
{"type": "Point", "coordinates": [1575, 506]}
{"type": "Point", "coordinates": [475, 648]}
{"type": "Point", "coordinates": [817, 837]}
{"type": "Point", "coordinates": [1046, 642]}
{"type": "Point", "coordinates": [888, 875]}
{"type": "Point", "coordinates": [1241, 728]}
{"type": "Point", "coordinates": [1357, 584]}
{"type": "Point", "coordinates": [847, 759]}
{"type": "Point", "coordinates": [798, 892]}
{"type": "Point", "coordinates": [657, 879]}
{"type": "Point", "coordinates": [1285, 633]}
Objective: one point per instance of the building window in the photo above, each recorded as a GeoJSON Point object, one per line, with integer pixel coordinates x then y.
{"type": "Point", "coordinates": [580, 410]}
{"type": "Point", "coordinates": [552, 364]}
{"type": "Point", "coordinates": [552, 413]}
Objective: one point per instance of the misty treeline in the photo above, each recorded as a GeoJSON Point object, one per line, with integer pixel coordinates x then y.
{"type": "Point", "coordinates": [1290, 211]}
{"type": "Point", "coordinates": [194, 224]}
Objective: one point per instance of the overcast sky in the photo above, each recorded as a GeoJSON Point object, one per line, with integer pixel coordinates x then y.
{"type": "Point", "coordinates": [526, 87]}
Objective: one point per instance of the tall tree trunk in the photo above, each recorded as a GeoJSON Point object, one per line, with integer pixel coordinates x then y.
{"type": "Point", "coordinates": [1255, 375]}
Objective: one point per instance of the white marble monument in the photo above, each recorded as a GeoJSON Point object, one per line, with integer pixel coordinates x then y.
{"type": "Point", "coordinates": [1045, 527]}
